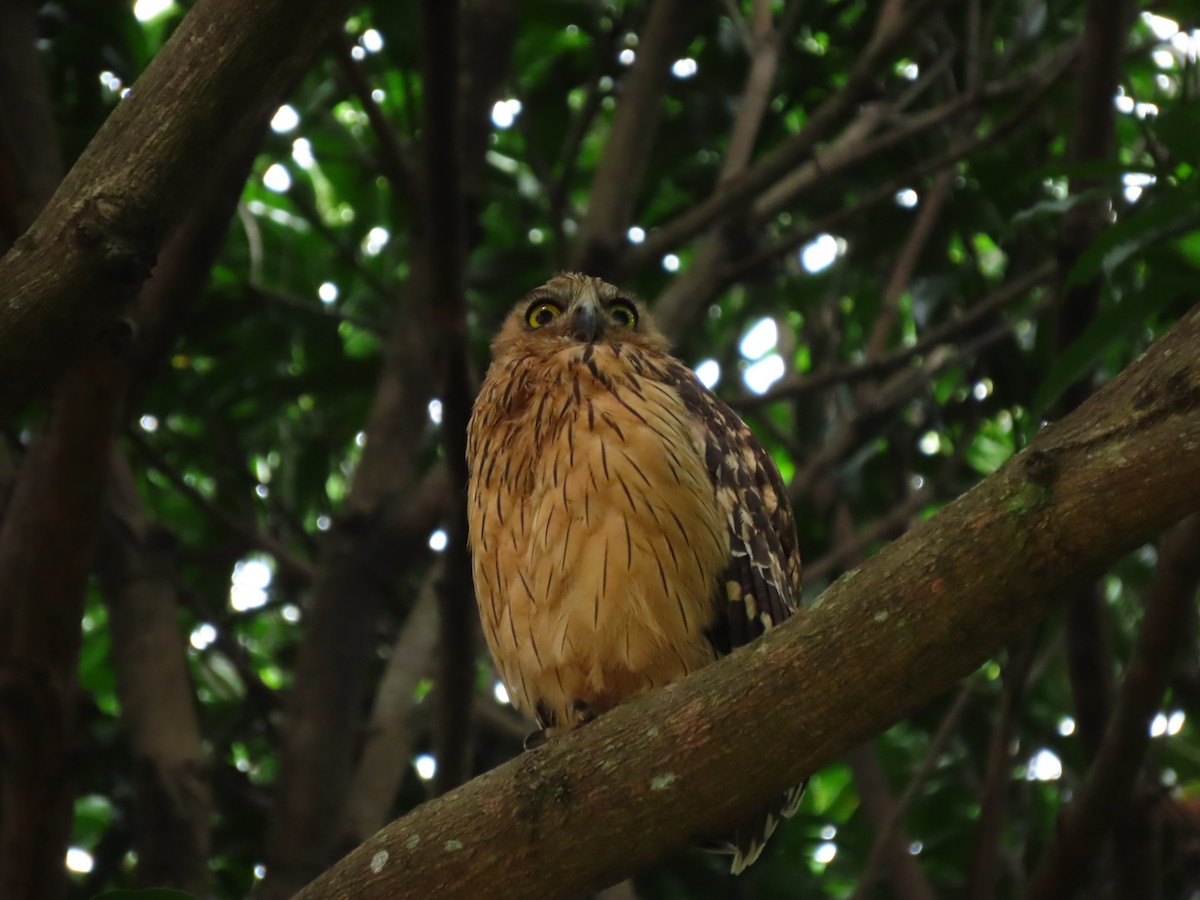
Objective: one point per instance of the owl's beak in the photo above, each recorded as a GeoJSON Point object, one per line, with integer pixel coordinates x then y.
{"type": "Point", "coordinates": [586, 323]}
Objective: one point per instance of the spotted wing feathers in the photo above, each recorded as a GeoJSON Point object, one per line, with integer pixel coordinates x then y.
{"type": "Point", "coordinates": [760, 586]}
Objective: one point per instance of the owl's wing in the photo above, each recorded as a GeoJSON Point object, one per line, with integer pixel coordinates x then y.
{"type": "Point", "coordinates": [760, 586]}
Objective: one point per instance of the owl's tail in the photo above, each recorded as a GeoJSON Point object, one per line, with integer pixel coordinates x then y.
{"type": "Point", "coordinates": [746, 841]}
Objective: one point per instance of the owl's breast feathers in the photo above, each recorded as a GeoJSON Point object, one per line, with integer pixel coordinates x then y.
{"type": "Point", "coordinates": [624, 525]}
{"type": "Point", "coordinates": [596, 541]}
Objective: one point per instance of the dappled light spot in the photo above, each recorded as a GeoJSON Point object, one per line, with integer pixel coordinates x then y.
{"type": "Point", "coordinates": [202, 636]}
{"type": "Point", "coordinates": [277, 179]}
{"type": "Point", "coordinates": [302, 153]}
{"type": "Point", "coordinates": [1045, 766]}
{"type": "Point", "coordinates": [285, 119]}
{"type": "Point", "coordinates": [371, 40]}
{"type": "Point", "coordinates": [505, 112]}
{"type": "Point", "coordinates": [79, 861]}
{"type": "Point", "coordinates": [376, 240]}
{"type": "Point", "coordinates": [759, 377]}
{"type": "Point", "coordinates": [709, 373]}
{"type": "Point", "coordinates": [821, 253]}
{"type": "Point", "coordinates": [500, 692]}
{"type": "Point", "coordinates": [426, 766]}
{"type": "Point", "coordinates": [670, 262]}
{"type": "Point", "coordinates": [249, 583]}
{"type": "Point", "coordinates": [1135, 183]}
{"type": "Point", "coordinates": [825, 853]}
{"type": "Point", "coordinates": [760, 339]}
{"type": "Point", "coordinates": [438, 541]}
{"type": "Point", "coordinates": [684, 68]}
{"type": "Point", "coordinates": [148, 10]}
{"type": "Point", "coordinates": [1160, 26]}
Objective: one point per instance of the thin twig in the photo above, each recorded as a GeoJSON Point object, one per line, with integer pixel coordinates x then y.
{"type": "Point", "coordinates": [821, 122]}
{"type": "Point", "coordinates": [298, 569]}
{"type": "Point", "coordinates": [977, 316]}
{"type": "Point", "coordinates": [394, 157]}
{"type": "Point", "coordinates": [932, 757]}
{"type": "Point", "coordinates": [906, 263]}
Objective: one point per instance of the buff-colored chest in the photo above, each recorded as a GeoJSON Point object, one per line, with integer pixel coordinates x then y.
{"type": "Point", "coordinates": [595, 535]}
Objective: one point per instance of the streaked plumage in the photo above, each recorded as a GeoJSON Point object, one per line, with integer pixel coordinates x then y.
{"type": "Point", "coordinates": [626, 527]}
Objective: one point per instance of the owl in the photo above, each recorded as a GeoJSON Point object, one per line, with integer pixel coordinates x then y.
{"type": "Point", "coordinates": [626, 527]}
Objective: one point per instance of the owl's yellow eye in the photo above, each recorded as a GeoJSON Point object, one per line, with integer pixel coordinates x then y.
{"type": "Point", "coordinates": [623, 313]}
{"type": "Point", "coordinates": [543, 312]}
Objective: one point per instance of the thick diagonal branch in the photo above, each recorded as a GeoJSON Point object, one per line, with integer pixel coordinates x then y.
{"type": "Point", "coordinates": [95, 242]}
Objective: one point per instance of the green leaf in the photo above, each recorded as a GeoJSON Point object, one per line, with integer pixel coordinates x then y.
{"type": "Point", "coordinates": [1178, 127]}
{"type": "Point", "coordinates": [1110, 327]}
{"type": "Point", "coordinates": [1166, 213]}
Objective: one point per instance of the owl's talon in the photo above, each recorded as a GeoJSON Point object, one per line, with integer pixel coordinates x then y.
{"type": "Point", "coordinates": [535, 739]}
{"type": "Point", "coordinates": [581, 712]}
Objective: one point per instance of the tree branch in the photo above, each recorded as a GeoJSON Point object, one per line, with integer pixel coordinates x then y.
{"type": "Point", "coordinates": [883, 812]}
{"type": "Point", "coordinates": [363, 553]}
{"type": "Point", "coordinates": [656, 772]}
{"type": "Point", "coordinates": [993, 805]}
{"type": "Point", "coordinates": [173, 801]}
{"type": "Point", "coordinates": [618, 181]}
{"type": "Point", "coordinates": [1106, 791]}
{"type": "Point", "coordinates": [915, 783]}
{"type": "Point", "coordinates": [447, 302]}
{"type": "Point", "coordinates": [394, 156]}
{"type": "Point", "coordinates": [1089, 659]}
{"type": "Point", "coordinates": [390, 732]}
{"type": "Point", "coordinates": [46, 544]}
{"type": "Point", "coordinates": [69, 276]}
{"type": "Point", "coordinates": [736, 191]}
{"type": "Point", "coordinates": [977, 315]}
{"type": "Point", "coordinates": [30, 164]}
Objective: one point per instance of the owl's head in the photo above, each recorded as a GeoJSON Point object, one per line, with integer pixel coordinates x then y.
{"type": "Point", "coordinates": [576, 309]}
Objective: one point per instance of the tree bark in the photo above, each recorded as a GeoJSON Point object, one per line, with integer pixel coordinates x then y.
{"type": "Point", "coordinates": [67, 279]}
{"type": "Point", "coordinates": [46, 548]}
{"type": "Point", "coordinates": [885, 639]}
{"type": "Point", "coordinates": [172, 800]}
